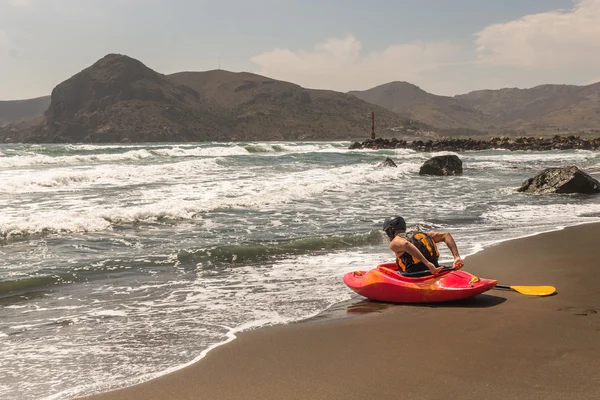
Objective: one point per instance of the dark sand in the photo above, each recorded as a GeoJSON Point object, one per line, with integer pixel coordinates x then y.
{"type": "Point", "coordinates": [499, 345]}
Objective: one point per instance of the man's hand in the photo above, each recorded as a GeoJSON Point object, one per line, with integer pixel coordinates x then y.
{"type": "Point", "coordinates": [458, 263]}
{"type": "Point", "coordinates": [433, 268]}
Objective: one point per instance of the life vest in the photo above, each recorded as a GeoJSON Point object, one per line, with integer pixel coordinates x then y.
{"type": "Point", "coordinates": [422, 241]}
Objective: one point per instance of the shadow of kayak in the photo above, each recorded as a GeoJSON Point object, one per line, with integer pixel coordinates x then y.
{"type": "Point", "coordinates": [480, 301]}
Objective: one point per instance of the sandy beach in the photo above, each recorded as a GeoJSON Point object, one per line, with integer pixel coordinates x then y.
{"type": "Point", "coordinates": [499, 345]}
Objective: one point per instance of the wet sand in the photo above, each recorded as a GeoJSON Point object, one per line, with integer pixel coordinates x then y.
{"type": "Point", "coordinates": [499, 345]}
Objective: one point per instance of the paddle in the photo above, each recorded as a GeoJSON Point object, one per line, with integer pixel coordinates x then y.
{"type": "Point", "coordinates": [526, 290]}
{"type": "Point", "coordinates": [529, 290]}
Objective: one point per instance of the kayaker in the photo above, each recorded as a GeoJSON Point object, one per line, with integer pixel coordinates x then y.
{"type": "Point", "coordinates": [417, 251]}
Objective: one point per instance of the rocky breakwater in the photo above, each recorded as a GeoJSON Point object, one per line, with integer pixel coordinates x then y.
{"type": "Point", "coordinates": [519, 143]}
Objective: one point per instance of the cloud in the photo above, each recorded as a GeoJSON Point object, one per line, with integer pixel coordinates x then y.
{"type": "Point", "coordinates": [5, 44]}
{"type": "Point", "coordinates": [338, 63]}
{"type": "Point", "coordinates": [559, 46]}
{"type": "Point", "coordinates": [17, 3]}
{"type": "Point", "coordinates": [555, 39]}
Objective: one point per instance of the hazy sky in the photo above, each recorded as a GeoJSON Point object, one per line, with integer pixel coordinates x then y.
{"type": "Point", "coordinates": [444, 46]}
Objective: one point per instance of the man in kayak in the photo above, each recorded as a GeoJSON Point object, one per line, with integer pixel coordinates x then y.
{"type": "Point", "coordinates": [417, 251]}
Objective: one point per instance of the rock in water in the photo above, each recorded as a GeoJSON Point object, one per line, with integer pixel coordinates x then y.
{"type": "Point", "coordinates": [388, 162]}
{"type": "Point", "coordinates": [442, 166]}
{"type": "Point", "coordinates": [568, 179]}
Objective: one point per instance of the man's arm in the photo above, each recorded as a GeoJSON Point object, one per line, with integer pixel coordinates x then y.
{"type": "Point", "coordinates": [447, 238]}
{"type": "Point", "coordinates": [399, 246]}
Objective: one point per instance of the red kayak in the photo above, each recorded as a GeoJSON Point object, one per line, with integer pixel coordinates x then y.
{"type": "Point", "coordinates": [384, 283]}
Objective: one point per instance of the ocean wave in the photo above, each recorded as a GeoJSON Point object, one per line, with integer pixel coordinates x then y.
{"type": "Point", "coordinates": [552, 214]}
{"type": "Point", "coordinates": [45, 279]}
{"type": "Point", "coordinates": [294, 148]}
{"type": "Point", "coordinates": [96, 220]}
{"type": "Point", "coordinates": [34, 283]}
{"type": "Point", "coordinates": [34, 156]}
{"type": "Point", "coordinates": [497, 166]}
{"type": "Point", "coordinates": [19, 181]}
{"type": "Point", "coordinates": [91, 154]}
{"type": "Point", "coordinates": [50, 222]}
{"type": "Point", "coordinates": [511, 157]}
{"type": "Point", "coordinates": [176, 202]}
{"type": "Point", "coordinates": [33, 159]}
{"type": "Point", "coordinates": [258, 149]}
{"type": "Point", "coordinates": [252, 252]}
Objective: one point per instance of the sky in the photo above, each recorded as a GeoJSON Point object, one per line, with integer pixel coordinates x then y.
{"type": "Point", "coordinates": [446, 47]}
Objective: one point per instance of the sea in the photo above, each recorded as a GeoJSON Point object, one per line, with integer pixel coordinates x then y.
{"type": "Point", "coordinates": [120, 263]}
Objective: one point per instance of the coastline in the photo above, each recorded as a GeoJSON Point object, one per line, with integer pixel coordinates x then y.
{"type": "Point", "coordinates": [497, 345]}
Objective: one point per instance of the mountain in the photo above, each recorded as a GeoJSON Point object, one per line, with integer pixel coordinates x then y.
{"type": "Point", "coordinates": [545, 108]}
{"type": "Point", "coordinates": [119, 99]}
{"type": "Point", "coordinates": [550, 107]}
{"type": "Point", "coordinates": [15, 111]}
{"type": "Point", "coordinates": [272, 109]}
{"type": "Point", "coordinates": [413, 102]}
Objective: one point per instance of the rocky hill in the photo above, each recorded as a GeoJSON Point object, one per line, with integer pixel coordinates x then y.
{"type": "Point", "coordinates": [545, 108]}
{"type": "Point", "coordinates": [119, 99]}
{"type": "Point", "coordinates": [15, 111]}
{"type": "Point", "coordinates": [411, 101]}
{"type": "Point", "coordinates": [272, 109]}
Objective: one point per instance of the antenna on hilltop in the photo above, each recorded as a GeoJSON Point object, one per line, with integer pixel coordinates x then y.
{"type": "Point", "coordinates": [219, 62]}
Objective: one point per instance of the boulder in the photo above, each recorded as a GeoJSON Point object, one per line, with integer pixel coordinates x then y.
{"type": "Point", "coordinates": [388, 162]}
{"type": "Point", "coordinates": [442, 166]}
{"type": "Point", "coordinates": [568, 179]}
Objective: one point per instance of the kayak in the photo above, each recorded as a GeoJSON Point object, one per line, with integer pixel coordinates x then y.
{"type": "Point", "coordinates": [384, 283]}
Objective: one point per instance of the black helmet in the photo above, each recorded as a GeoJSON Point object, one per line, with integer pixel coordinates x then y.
{"type": "Point", "coordinates": [393, 225]}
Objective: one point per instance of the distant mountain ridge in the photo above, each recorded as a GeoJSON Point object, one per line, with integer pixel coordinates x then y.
{"type": "Point", "coordinates": [15, 111]}
{"type": "Point", "coordinates": [413, 102]}
{"type": "Point", "coordinates": [290, 111]}
{"type": "Point", "coordinates": [541, 107]}
{"type": "Point", "coordinates": [119, 99]}
{"type": "Point", "coordinates": [544, 108]}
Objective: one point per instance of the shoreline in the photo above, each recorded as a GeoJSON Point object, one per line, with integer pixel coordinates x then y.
{"type": "Point", "coordinates": [338, 314]}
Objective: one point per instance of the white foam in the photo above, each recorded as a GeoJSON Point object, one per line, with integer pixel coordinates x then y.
{"type": "Point", "coordinates": [525, 157]}
{"type": "Point", "coordinates": [109, 313]}
{"type": "Point", "coordinates": [105, 175]}
{"type": "Point", "coordinates": [32, 159]}
{"type": "Point", "coordinates": [95, 147]}
{"type": "Point", "coordinates": [21, 327]}
{"type": "Point", "coordinates": [50, 221]}
{"type": "Point", "coordinates": [311, 147]}
{"type": "Point", "coordinates": [552, 214]}
{"type": "Point", "coordinates": [176, 202]}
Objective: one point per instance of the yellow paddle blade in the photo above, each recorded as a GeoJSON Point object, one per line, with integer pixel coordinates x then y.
{"type": "Point", "coordinates": [534, 290]}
